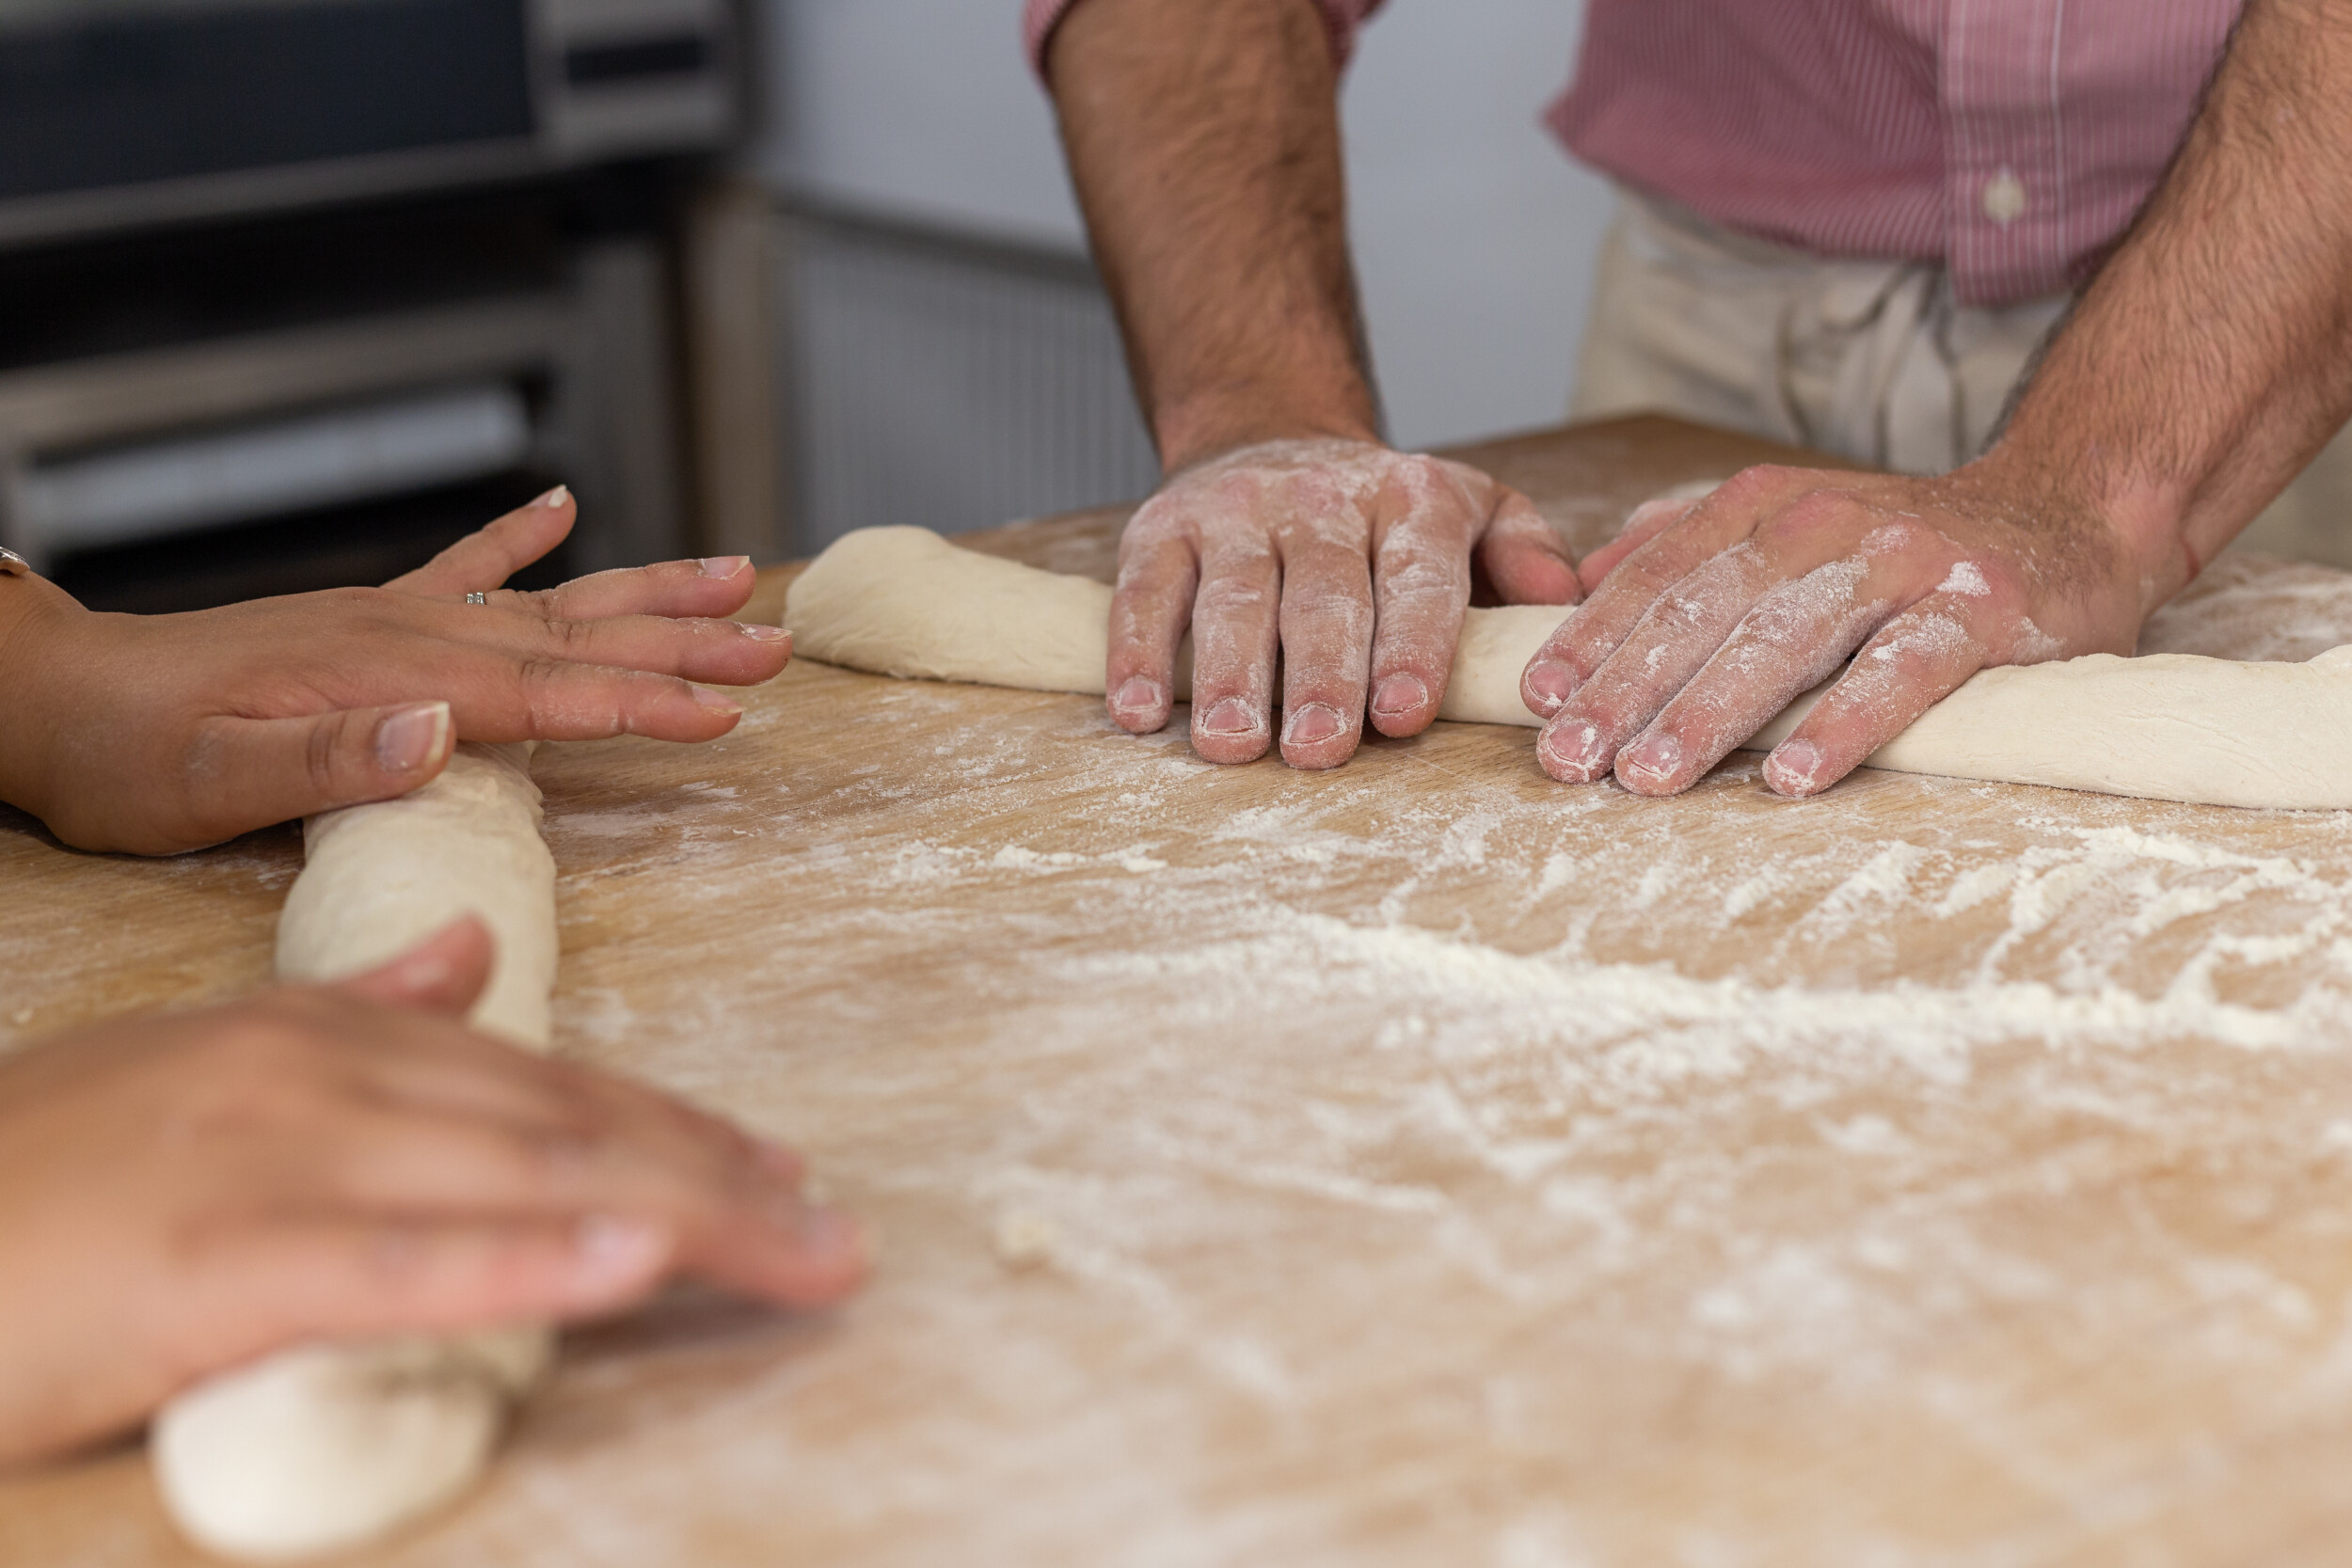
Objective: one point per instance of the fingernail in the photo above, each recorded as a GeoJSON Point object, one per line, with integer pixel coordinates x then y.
{"type": "Point", "coordinates": [759, 632]}
{"type": "Point", "coordinates": [722, 565]}
{"type": "Point", "coordinates": [779, 1160]}
{"type": "Point", "coordinates": [612, 1254]}
{"type": "Point", "coordinates": [705, 697]}
{"type": "Point", "coordinates": [1399, 694]}
{"type": "Point", "coordinates": [796, 1213]}
{"type": "Point", "coordinates": [1793, 766]}
{"type": "Point", "coordinates": [1655, 757]}
{"type": "Point", "coordinates": [1138, 695]}
{"type": "Point", "coordinates": [1314, 722]}
{"type": "Point", "coordinates": [407, 740]}
{"type": "Point", "coordinates": [831, 1230]}
{"type": "Point", "coordinates": [1574, 746]}
{"type": "Point", "coordinates": [1230, 717]}
{"type": "Point", "coordinates": [1551, 684]}
{"type": "Point", "coordinates": [556, 497]}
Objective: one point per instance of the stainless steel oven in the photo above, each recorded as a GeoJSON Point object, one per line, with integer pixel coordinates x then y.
{"type": "Point", "coordinates": [288, 281]}
{"type": "Point", "coordinates": [117, 113]}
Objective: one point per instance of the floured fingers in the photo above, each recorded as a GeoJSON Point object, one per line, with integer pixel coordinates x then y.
{"type": "Point", "coordinates": [1235, 632]}
{"type": "Point", "coordinates": [1150, 608]}
{"type": "Point", "coordinates": [1914, 661]}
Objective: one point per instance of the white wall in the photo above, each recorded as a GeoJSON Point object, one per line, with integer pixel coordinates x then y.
{"type": "Point", "coordinates": [1474, 235]}
{"type": "Point", "coordinates": [920, 108]}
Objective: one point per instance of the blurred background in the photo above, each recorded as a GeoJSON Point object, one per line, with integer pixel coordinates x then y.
{"type": "Point", "coordinates": [298, 291]}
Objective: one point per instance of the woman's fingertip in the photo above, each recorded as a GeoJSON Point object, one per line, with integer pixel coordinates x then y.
{"type": "Point", "coordinates": [780, 1161]}
{"type": "Point", "coordinates": [612, 1255]}
{"type": "Point", "coordinates": [818, 1234]}
{"type": "Point", "coordinates": [850, 1249]}
{"type": "Point", "coordinates": [833, 1234]}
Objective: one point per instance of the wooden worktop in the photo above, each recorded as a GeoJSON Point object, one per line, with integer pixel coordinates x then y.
{"type": "Point", "coordinates": [1418, 1162]}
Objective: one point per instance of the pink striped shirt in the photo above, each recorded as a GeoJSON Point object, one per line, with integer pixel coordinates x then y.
{"type": "Point", "coordinates": [2011, 140]}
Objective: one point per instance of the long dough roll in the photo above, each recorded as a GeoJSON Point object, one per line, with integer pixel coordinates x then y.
{"type": "Point", "coordinates": [322, 1448]}
{"type": "Point", "coordinates": [903, 601]}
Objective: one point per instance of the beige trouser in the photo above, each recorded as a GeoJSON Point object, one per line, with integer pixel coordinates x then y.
{"type": "Point", "coordinates": [1873, 360]}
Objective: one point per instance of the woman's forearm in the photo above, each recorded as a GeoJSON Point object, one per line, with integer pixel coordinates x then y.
{"type": "Point", "coordinates": [32, 609]}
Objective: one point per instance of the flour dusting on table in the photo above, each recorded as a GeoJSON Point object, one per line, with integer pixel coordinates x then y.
{"type": "Point", "coordinates": [1426, 1162]}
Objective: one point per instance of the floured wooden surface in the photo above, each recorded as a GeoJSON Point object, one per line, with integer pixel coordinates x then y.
{"type": "Point", "coordinates": [1418, 1162]}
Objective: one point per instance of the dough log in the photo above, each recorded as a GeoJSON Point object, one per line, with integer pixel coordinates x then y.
{"type": "Point", "coordinates": [322, 1448]}
{"type": "Point", "coordinates": [903, 601]}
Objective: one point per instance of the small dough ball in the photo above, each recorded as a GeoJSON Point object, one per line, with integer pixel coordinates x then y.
{"type": "Point", "coordinates": [1025, 1240]}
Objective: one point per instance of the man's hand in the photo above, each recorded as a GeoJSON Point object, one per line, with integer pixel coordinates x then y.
{"type": "Point", "coordinates": [1712, 616]}
{"type": "Point", "coordinates": [2204, 368]}
{"type": "Point", "coordinates": [160, 733]}
{"type": "Point", "coordinates": [1354, 558]}
{"type": "Point", "coordinates": [181, 1195]}
{"type": "Point", "coordinates": [1203, 138]}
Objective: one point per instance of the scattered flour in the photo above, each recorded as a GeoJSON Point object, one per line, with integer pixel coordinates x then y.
{"type": "Point", "coordinates": [1025, 1240]}
{"type": "Point", "coordinates": [1425, 1132]}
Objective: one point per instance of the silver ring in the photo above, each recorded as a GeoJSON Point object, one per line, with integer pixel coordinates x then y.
{"type": "Point", "coordinates": [477, 598]}
{"type": "Point", "coordinates": [13, 564]}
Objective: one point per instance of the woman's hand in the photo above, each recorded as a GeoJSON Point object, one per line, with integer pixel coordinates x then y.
{"type": "Point", "coordinates": [161, 733]}
{"type": "Point", "coordinates": [181, 1195]}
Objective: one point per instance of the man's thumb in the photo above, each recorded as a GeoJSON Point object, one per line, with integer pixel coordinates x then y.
{"type": "Point", "coordinates": [1525, 558]}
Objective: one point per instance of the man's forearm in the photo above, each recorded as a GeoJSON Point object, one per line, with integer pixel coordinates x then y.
{"type": "Point", "coordinates": [1203, 139]}
{"type": "Point", "coordinates": [2211, 357]}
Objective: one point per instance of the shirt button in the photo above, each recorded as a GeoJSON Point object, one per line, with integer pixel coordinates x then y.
{"type": "Point", "coordinates": [2005, 198]}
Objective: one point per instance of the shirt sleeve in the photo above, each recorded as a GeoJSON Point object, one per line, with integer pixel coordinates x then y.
{"type": "Point", "coordinates": [1038, 18]}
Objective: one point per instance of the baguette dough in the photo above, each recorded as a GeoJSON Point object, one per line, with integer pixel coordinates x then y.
{"type": "Point", "coordinates": [322, 1448]}
{"type": "Point", "coordinates": [903, 601]}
